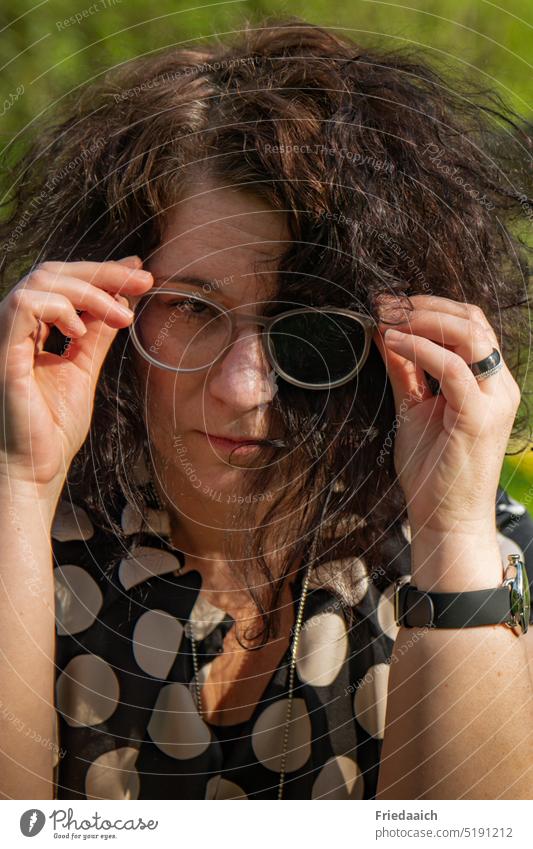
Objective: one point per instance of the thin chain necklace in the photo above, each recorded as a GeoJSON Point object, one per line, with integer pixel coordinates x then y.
{"type": "Point", "coordinates": [292, 666]}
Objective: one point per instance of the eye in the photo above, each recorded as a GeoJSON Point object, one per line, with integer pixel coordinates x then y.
{"type": "Point", "coordinates": [189, 305]}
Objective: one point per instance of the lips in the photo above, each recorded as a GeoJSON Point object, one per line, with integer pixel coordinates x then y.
{"type": "Point", "coordinates": [243, 441]}
{"type": "Point", "coordinates": [225, 445]}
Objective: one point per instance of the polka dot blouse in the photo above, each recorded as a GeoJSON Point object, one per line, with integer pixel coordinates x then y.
{"type": "Point", "coordinates": [127, 725]}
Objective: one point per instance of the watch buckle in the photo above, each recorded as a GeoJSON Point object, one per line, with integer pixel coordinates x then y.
{"type": "Point", "coordinates": [416, 608]}
{"type": "Point", "coordinates": [405, 579]}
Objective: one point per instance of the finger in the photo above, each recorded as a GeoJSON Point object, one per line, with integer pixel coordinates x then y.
{"type": "Point", "coordinates": [111, 275]}
{"type": "Point", "coordinates": [41, 335]}
{"type": "Point", "coordinates": [466, 337]}
{"type": "Point", "coordinates": [458, 384]}
{"type": "Point", "coordinates": [407, 379]}
{"type": "Point", "coordinates": [26, 307]}
{"type": "Point", "coordinates": [84, 296]}
{"type": "Point", "coordinates": [438, 303]}
{"type": "Point", "coordinates": [133, 261]}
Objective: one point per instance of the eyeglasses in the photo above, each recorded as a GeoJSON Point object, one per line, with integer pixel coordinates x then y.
{"type": "Point", "coordinates": [310, 347]}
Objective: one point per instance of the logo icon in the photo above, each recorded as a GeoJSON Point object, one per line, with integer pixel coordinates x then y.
{"type": "Point", "coordinates": [32, 822]}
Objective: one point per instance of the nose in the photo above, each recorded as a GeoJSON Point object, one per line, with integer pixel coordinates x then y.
{"type": "Point", "coordinates": [243, 378]}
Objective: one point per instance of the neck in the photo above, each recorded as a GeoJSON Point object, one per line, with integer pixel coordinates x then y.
{"type": "Point", "coordinates": [202, 530]}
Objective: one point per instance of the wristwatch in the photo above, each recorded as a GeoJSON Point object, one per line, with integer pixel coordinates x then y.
{"type": "Point", "coordinates": [508, 604]}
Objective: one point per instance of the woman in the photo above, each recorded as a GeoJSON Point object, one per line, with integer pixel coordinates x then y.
{"type": "Point", "coordinates": [229, 509]}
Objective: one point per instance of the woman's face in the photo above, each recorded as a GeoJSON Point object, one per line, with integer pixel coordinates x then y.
{"type": "Point", "coordinates": [227, 240]}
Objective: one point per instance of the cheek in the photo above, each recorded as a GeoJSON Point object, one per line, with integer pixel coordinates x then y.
{"type": "Point", "coordinates": [172, 403]}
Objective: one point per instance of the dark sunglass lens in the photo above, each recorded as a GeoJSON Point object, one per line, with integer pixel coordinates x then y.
{"type": "Point", "coordinates": [318, 347]}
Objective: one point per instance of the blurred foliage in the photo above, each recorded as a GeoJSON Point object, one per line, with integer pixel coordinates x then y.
{"type": "Point", "coordinates": [45, 52]}
{"type": "Point", "coordinates": [517, 478]}
{"type": "Point", "coordinates": [48, 54]}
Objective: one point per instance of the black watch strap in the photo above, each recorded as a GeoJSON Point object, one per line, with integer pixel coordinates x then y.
{"type": "Point", "coordinates": [416, 608]}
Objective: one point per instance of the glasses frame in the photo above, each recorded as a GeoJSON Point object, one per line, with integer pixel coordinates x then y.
{"type": "Point", "coordinates": [266, 322]}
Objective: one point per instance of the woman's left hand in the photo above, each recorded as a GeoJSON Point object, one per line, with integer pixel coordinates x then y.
{"type": "Point", "coordinates": [449, 448]}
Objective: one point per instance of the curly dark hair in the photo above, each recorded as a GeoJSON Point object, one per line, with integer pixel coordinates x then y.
{"type": "Point", "coordinates": [394, 174]}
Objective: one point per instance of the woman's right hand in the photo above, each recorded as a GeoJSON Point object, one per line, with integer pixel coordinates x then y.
{"type": "Point", "coordinates": [47, 400]}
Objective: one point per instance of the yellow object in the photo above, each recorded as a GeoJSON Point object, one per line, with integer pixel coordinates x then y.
{"type": "Point", "coordinates": [522, 462]}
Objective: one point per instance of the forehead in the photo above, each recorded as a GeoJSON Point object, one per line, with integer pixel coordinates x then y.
{"type": "Point", "coordinates": [223, 234]}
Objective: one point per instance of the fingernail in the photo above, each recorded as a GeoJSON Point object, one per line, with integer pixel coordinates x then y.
{"type": "Point", "coordinates": [122, 306]}
{"type": "Point", "coordinates": [394, 335]}
{"type": "Point", "coordinates": [132, 260]}
{"type": "Point", "coordinates": [143, 275]}
{"type": "Point", "coordinates": [78, 326]}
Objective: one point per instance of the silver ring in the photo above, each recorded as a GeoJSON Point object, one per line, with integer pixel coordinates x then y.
{"type": "Point", "coordinates": [487, 367]}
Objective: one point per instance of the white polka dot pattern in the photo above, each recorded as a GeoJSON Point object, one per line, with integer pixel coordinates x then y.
{"type": "Point", "coordinates": [221, 788]}
{"type": "Point", "coordinates": [267, 735]}
{"type": "Point", "coordinates": [156, 522]}
{"type": "Point", "coordinates": [78, 599]}
{"type": "Point", "coordinates": [113, 775]}
{"type": "Point", "coordinates": [144, 562]}
{"type": "Point", "coordinates": [87, 691]}
{"type": "Point", "coordinates": [71, 522]}
{"type": "Point", "coordinates": [322, 649]}
{"type": "Point", "coordinates": [406, 530]}
{"type": "Point", "coordinates": [370, 700]}
{"type": "Point", "coordinates": [156, 640]}
{"type": "Point", "coordinates": [175, 725]}
{"type": "Point", "coordinates": [385, 613]}
{"type": "Point", "coordinates": [339, 778]}
{"type": "Point", "coordinates": [205, 617]}
{"type": "Point", "coordinates": [127, 726]}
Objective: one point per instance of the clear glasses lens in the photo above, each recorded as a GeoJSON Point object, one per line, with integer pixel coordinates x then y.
{"type": "Point", "coordinates": [180, 330]}
{"type": "Point", "coordinates": [186, 332]}
{"type": "Point", "coordinates": [318, 347]}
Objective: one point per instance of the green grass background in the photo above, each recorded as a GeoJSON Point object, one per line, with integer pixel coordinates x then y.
{"type": "Point", "coordinates": [42, 58]}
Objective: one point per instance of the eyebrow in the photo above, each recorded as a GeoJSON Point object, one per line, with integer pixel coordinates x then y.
{"type": "Point", "coordinates": [187, 278]}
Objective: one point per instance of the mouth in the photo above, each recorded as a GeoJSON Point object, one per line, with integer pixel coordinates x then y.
{"type": "Point", "coordinates": [224, 443]}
